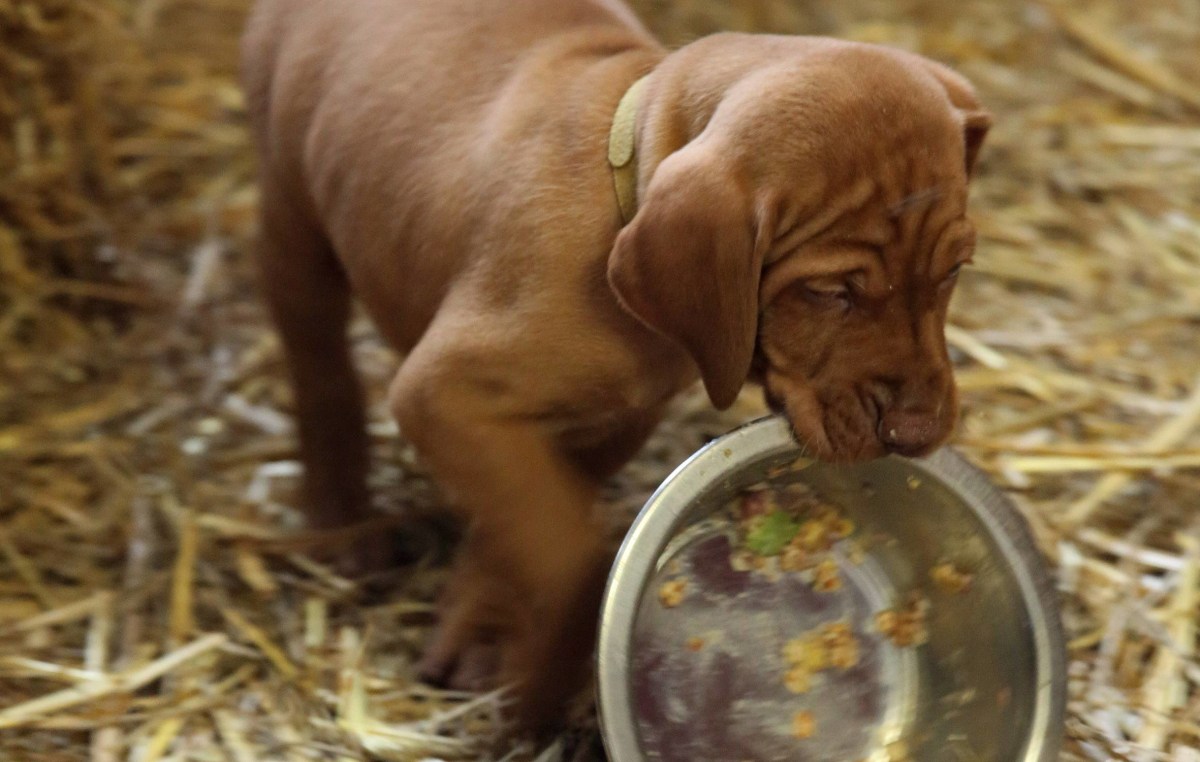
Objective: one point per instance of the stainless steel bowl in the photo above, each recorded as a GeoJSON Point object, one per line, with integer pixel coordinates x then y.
{"type": "Point", "coordinates": [703, 680]}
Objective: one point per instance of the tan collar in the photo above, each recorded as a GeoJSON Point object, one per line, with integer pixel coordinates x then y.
{"type": "Point", "coordinates": [621, 150]}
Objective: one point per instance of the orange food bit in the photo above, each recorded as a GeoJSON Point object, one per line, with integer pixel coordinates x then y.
{"type": "Point", "coordinates": [794, 558]}
{"type": "Point", "coordinates": [949, 579]}
{"type": "Point", "coordinates": [812, 536]}
{"type": "Point", "coordinates": [803, 724]}
{"type": "Point", "coordinates": [841, 528]}
{"type": "Point", "coordinates": [827, 580]}
{"type": "Point", "coordinates": [671, 594]}
{"type": "Point", "coordinates": [798, 680]}
{"type": "Point", "coordinates": [905, 626]}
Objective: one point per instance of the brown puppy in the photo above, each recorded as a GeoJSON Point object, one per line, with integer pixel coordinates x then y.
{"type": "Point", "coordinates": [800, 221]}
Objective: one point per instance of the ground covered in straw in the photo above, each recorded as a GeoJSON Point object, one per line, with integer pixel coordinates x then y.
{"type": "Point", "coordinates": [152, 605]}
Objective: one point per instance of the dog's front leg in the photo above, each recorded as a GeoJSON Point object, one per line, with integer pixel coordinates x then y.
{"type": "Point", "coordinates": [531, 573]}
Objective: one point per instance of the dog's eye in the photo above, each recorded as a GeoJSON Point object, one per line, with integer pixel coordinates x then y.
{"type": "Point", "coordinates": [828, 293]}
{"type": "Point", "coordinates": [952, 275]}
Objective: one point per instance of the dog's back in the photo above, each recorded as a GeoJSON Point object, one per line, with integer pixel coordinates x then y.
{"type": "Point", "coordinates": [399, 127]}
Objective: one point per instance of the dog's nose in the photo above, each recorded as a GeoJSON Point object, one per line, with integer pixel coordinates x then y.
{"type": "Point", "coordinates": [909, 433]}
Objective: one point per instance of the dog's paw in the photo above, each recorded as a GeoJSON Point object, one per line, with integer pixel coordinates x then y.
{"type": "Point", "coordinates": [473, 667]}
{"type": "Point", "coordinates": [367, 555]}
{"type": "Point", "coordinates": [493, 632]}
{"type": "Point", "coordinates": [464, 650]}
{"type": "Point", "coordinates": [378, 545]}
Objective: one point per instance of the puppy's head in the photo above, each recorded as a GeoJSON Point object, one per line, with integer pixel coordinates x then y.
{"type": "Point", "coordinates": [809, 236]}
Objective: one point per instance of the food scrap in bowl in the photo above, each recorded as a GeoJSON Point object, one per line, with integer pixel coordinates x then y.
{"type": "Point", "coordinates": [803, 724]}
{"type": "Point", "coordinates": [905, 626]}
{"type": "Point", "coordinates": [789, 530]}
{"type": "Point", "coordinates": [797, 680]}
{"type": "Point", "coordinates": [672, 593]}
{"type": "Point", "coordinates": [830, 646]}
{"type": "Point", "coordinates": [827, 579]}
{"type": "Point", "coordinates": [950, 579]}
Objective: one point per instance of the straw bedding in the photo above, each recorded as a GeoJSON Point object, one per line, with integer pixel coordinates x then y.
{"type": "Point", "coordinates": [151, 605]}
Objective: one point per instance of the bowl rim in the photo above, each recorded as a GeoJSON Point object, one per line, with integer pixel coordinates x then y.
{"type": "Point", "coordinates": [666, 511]}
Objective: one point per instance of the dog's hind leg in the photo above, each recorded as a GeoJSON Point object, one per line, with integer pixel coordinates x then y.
{"type": "Point", "coordinates": [309, 300]}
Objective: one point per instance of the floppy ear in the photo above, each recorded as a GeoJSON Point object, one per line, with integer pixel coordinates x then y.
{"type": "Point", "coordinates": [975, 128]}
{"type": "Point", "coordinates": [687, 266]}
{"type": "Point", "coordinates": [976, 120]}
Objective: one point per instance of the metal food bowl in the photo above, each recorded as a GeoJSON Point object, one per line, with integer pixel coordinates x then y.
{"type": "Point", "coordinates": [703, 677]}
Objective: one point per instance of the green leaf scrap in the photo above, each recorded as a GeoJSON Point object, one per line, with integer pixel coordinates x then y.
{"type": "Point", "coordinates": [772, 534]}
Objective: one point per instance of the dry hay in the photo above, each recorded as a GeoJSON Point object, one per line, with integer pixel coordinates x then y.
{"type": "Point", "coordinates": [149, 608]}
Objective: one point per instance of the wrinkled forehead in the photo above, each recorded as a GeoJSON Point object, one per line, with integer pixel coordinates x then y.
{"type": "Point", "coordinates": [918, 205]}
{"type": "Point", "coordinates": [905, 235]}
{"type": "Point", "coordinates": [897, 203]}
{"type": "Point", "coordinates": [930, 232]}
{"type": "Point", "coordinates": [876, 193]}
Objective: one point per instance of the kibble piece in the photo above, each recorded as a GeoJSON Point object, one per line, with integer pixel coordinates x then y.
{"type": "Point", "coordinates": [741, 560]}
{"type": "Point", "coordinates": [694, 644]}
{"type": "Point", "coordinates": [803, 724]}
{"type": "Point", "coordinates": [671, 594]}
{"type": "Point", "coordinates": [841, 528]}
{"type": "Point", "coordinates": [844, 656]}
{"type": "Point", "coordinates": [798, 680]}
{"type": "Point", "coordinates": [830, 646]}
{"type": "Point", "coordinates": [794, 650]}
{"type": "Point", "coordinates": [807, 653]}
{"type": "Point", "coordinates": [827, 578]}
{"type": "Point", "coordinates": [905, 626]}
{"type": "Point", "coordinates": [841, 647]}
{"type": "Point", "coordinates": [794, 558]}
{"type": "Point", "coordinates": [949, 579]}
{"type": "Point", "coordinates": [836, 631]}
{"type": "Point", "coordinates": [813, 536]}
